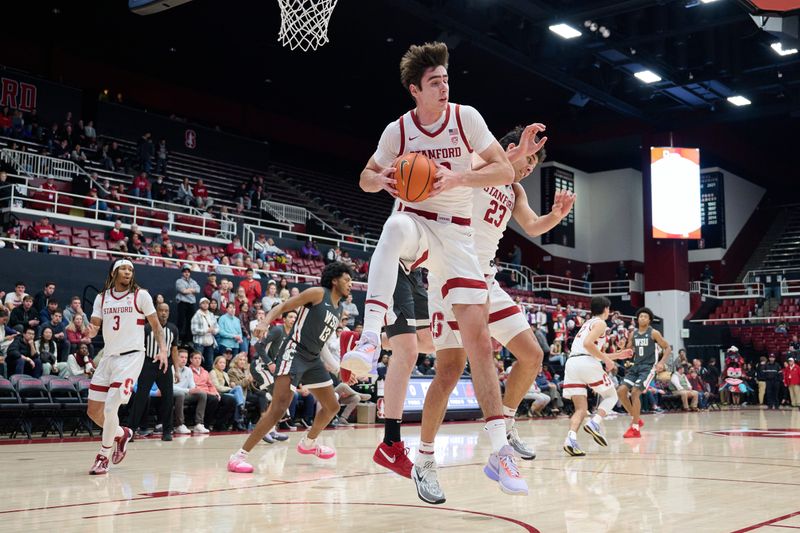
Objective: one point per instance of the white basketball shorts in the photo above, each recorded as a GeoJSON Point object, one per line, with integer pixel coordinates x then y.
{"type": "Point", "coordinates": [582, 371]}
{"type": "Point", "coordinates": [116, 375]}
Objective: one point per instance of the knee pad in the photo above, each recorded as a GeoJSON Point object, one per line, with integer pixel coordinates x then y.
{"type": "Point", "coordinates": [608, 400]}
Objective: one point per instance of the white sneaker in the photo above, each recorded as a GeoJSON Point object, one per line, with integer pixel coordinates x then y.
{"type": "Point", "coordinates": [361, 359]}
{"type": "Point", "coordinates": [200, 428]}
{"type": "Point", "coordinates": [182, 430]}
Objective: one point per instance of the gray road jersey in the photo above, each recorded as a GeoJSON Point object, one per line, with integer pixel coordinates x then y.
{"type": "Point", "coordinates": [644, 347]}
{"type": "Point", "coordinates": [269, 347]}
{"type": "Point", "coordinates": [314, 325]}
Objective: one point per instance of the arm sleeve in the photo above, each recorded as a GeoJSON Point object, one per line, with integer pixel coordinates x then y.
{"type": "Point", "coordinates": [389, 145]}
{"type": "Point", "coordinates": [145, 303]}
{"type": "Point", "coordinates": [475, 129]}
{"type": "Point", "coordinates": [97, 309]}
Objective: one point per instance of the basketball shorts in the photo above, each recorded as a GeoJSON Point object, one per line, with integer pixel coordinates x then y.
{"type": "Point", "coordinates": [308, 370]}
{"type": "Point", "coordinates": [448, 252]}
{"type": "Point", "coordinates": [582, 371]}
{"type": "Point", "coordinates": [408, 311]}
{"type": "Point", "coordinates": [639, 376]}
{"type": "Point", "coordinates": [506, 320]}
{"type": "Point", "coordinates": [115, 377]}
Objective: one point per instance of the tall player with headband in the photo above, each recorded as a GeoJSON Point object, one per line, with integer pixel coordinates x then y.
{"type": "Point", "coordinates": [121, 309]}
{"type": "Point", "coordinates": [436, 232]}
{"type": "Point", "coordinates": [492, 209]}
{"type": "Point", "coordinates": [586, 368]}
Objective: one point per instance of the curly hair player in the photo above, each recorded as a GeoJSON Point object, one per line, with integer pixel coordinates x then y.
{"type": "Point", "coordinates": [301, 362]}
{"type": "Point", "coordinates": [121, 309]}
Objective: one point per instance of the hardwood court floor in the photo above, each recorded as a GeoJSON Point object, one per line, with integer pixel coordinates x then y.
{"type": "Point", "coordinates": [678, 477]}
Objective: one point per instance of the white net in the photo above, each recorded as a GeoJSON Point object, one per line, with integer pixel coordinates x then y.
{"type": "Point", "coordinates": [304, 23]}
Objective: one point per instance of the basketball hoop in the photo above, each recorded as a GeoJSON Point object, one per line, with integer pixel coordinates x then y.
{"type": "Point", "coordinates": [304, 23]}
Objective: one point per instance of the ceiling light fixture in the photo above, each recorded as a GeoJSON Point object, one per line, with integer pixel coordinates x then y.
{"type": "Point", "coordinates": [565, 31]}
{"type": "Point", "coordinates": [781, 51]}
{"type": "Point", "coordinates": [739, 100]}
{"type": "Point", "coordinates": [648, 76]}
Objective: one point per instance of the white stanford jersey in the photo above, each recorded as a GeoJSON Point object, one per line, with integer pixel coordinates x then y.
{"type": "Point", "coordinates": [449, 142]}
{"type": "Point", "coordinates": [123, 319]}
{"type": "Point", "coordinates": [577, 344]}
{"type": "Point", "coordinates": [491, 211]}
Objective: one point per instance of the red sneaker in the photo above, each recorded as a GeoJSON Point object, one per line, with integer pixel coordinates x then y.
{"type": "Point", "coordinates": [641, 423]}
{"type": "Point", "coordinates": [121, 446]}
{"type": "Point", "coordinates": [100, 465]}
{"type": "Point", "coordinates": [394, 457]}
{"type": "Point", "coordinates": [632, 433]}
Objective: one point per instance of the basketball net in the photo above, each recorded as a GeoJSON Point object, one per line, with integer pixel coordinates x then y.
{"type": "Point", "coordinates": [304, 23]}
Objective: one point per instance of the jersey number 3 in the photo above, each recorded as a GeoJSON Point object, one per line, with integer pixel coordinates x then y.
{"type": "Point", "coordinates": [495, 214]}
{"type": "Point", "coordinates": [115, 327]}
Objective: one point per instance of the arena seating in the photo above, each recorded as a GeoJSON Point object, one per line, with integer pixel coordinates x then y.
{"type": "Point", "coordinates": [763, 339]}
{"type": "Point", "coordinates": [343, 206]}
{"type": "Point", "coordinates": [738, 308]}
{"type": "Point", "coordinates": [785, 249]}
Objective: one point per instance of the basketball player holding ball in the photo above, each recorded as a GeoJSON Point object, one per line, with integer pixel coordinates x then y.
{"type": "Point", "coordinates": [493, 208]}
{"type": "Point", "coordinates": [436, 232]}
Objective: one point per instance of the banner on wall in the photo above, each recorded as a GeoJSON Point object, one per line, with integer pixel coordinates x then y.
{"type": "Point", "coordinates": [50, 100]}
{"type": "Point", "coordinates": [553, 179]}
{"type": "Point", "coordinates": [712, 212]}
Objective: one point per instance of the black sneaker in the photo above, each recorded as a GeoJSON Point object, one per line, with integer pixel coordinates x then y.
{"type": "Point", "coordinates": [166, 437]}
{"type": "Point", "coordinates": [305, 423]}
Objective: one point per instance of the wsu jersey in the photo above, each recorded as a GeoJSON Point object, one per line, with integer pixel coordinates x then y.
{"type": "Point", "coordinates": [123, 319]}
{"type": "Point", "coordinates": [449, 142]}
{"type": "Point", "coordinates": [491, 211]}
{"type": "Point", "coordinates": [577, 344]}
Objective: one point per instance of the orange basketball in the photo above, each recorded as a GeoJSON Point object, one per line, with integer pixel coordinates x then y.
{"type": "Point", "coordinates": [415, 175]}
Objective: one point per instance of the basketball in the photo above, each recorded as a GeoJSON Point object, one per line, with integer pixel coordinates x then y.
{"type": "Point", "coordinates": [415, 176]}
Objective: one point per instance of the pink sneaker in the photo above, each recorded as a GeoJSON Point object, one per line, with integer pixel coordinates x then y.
{"type": "Point", "coordinates": [323, 452]}
{"type": "Point", "coordinates": [121, 448]}
{"type": "Point", "coordinates": [238, 465]}
{"type": "Point", "coordinates": [360, 359]}
{"type": "Point", "coordinates": [100, 465]}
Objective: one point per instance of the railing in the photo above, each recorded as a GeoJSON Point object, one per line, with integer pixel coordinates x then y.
{"type": "Point", "coordinates": [517, 274]}
{"type": "Point", "coordinates": [727, 291]}
{"type": "Point", "coordinates": [291, 277]}
{"type": "Point", "coordinates": [300, 215]}
{"type": "Point", "coordinates": [753, 276]}
{"type": "Point", "coordinates": [41, 166]}
{"type": "Point", "coordinates": [790, 287]}
{"type": "Point", "coordinates": [251, 230]}
{"type": "Point", "coordinates": [752, 320]}
{"type": "Point", "coordinates": [129, 212]}
{"type": "Point", "coordinates": [580, 287]}
{"type": "Point", "coordinates": [285, 213]}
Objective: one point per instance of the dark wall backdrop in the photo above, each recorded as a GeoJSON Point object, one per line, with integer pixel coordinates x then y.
{"type": "Point", "coordinates": [85, 277]}
{"type": "Point", "coordinates": [192, 139]}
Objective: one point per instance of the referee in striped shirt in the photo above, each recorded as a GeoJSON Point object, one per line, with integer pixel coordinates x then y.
{"type": "Point", "coordinates": [151, 374]}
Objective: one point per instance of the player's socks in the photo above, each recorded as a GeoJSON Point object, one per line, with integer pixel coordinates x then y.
{"type": "Point", "coordinates": [391, 431]}
{"type": "Point", "coordinates": [509, 414]}
{"type": "Point", "coordinates": [242, 453]}
{"type": "Point", "coordinates": [496, 428]}
{"type": "Point", "coordinates": [105, 451]}
{"type": "Point", "coordinates": [572, 435]}
{"type": "Point", "coordinates": [597, 419]}
{"type": "Point", "coordinates": [424, 453]}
